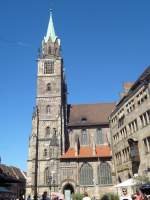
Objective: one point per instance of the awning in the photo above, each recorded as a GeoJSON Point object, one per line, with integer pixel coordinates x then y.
{"type": "Point", "coordinates": [129, 182]}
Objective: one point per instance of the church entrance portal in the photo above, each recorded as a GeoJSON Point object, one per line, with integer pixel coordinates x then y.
{"type": "Point", "coordinates": [68, 187]}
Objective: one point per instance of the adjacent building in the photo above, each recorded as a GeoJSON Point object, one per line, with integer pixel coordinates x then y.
{"type": "Point", "coordinates": [130, 129]}
{"type": "Point", "coordinates": [69, 146]}
{"type": "Point", "coordinates": [12, 182]}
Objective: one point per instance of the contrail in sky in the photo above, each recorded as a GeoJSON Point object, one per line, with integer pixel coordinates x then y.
{"type": "Point", "coordinates": [12, 42]}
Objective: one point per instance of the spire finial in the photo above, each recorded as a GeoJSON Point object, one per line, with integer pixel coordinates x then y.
{"type": "Point", "coordinates": [50, 31]}
{"type": "Point", "coordinates": [51, 11]}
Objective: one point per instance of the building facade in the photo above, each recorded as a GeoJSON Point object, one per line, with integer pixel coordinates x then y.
{"type": "Point", "coordinates": [69, 146]}
{"type": "Point", "coordinates": [12, 182]}
{"type": "Point", "coordinates": [130, 130]}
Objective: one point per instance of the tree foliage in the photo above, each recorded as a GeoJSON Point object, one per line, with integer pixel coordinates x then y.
{"type": "Point", "coordinates": [141, 179]}
{"type": "Point", "coordinates": [110, 196]}
{"type": "Point", "coordinates": [77, 196]}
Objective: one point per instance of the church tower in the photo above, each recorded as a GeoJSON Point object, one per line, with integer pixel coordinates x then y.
{"type": "Point", "coordinates": [46, 143]}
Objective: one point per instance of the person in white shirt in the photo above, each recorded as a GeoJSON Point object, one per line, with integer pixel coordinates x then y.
{"type": "Point", "coordinates": [86, 197]}
{"type": "Point", "coordinates": [125, 195]}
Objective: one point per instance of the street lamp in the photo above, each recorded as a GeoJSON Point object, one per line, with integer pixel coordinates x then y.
{"type": "Point", "coordinates": [50, 184]}
{"type": "Point", "coordinates": [54, 184]}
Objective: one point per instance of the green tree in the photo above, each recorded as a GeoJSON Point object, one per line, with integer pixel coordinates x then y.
{"type": "Point", "coordinates": [77, 196]}
{"type": "Point", "coordinates": [110, 196]}
{"type": "Point", "coordinates": [141, 179]}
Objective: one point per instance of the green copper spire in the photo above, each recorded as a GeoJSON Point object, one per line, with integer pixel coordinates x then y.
{"type": "Point", "coordinates": [50, 30]}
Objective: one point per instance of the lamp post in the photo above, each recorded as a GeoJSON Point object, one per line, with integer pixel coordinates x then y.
{"type": "Point", "coordinates": [50, 184]}
{"type": "Point", "coordinates": [36, 116]}
{"type": "Point", "coordinates": [54, 184]}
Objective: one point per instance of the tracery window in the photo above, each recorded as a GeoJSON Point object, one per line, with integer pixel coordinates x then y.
{"type": "Point", "coordinates": [104, 174]}
{"type": "Point", "coordinates": [84, 137]}
{"type": "Point", "coordinates": [49, 67]}
{"type": "Point", "coordinates": [99, 136]}
{"type": "Point", "coordinates": [86, 174]}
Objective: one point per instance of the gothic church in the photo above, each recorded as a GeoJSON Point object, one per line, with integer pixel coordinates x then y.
{"type": "Point", "coordinates": [69, 146]}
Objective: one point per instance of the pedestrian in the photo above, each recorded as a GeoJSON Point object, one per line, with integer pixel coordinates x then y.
{"type": "Point", "coordinates": [86, 197]}
{"type": "Point", "coordinates": [29, 197]}
{"type": "Point", "coordinates": [44, 196]}
{"type": "Point", "coordinates": [137, 195]}
{"type": "Point", "coordinates": [125, 195]}
{"type": "Point", "coordinates": [93, 198]}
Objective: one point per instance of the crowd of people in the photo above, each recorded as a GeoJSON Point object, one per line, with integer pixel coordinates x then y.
{"type": "Point", "coordinates": [138, 195]}
{"type": "Point", "coordinates": [54, 196]}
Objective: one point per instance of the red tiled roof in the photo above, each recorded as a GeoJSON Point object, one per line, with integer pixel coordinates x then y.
{"type": "Point", "coordinates": [11, 171]}
{"type": "Point", "coordinates": [104, 151]}
{"type": "Point", "coordinates": [86, 152]}
{"type": "Point", "coordinates": [70, 153]}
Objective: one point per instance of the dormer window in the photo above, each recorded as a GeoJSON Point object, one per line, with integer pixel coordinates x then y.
{"type": "Point", "coordinates": [83, 119]}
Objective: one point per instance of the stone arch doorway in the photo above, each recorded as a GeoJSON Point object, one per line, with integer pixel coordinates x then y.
{"type": "Point", "coordinates": [69, 187]}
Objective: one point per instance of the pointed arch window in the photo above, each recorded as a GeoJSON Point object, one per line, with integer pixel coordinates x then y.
{"type": "Point", "coordinates": [84, 137]}
{"type": "Point", "coordinates": [48, 87]}
{"type": "Point", "coordinates": [86, 174]}
{"type": "Point", "coordinates": [46, 175]}
{"type": "Point", "coordinates": [104, 174]}
{"type": "Point", "coordinates": [99, 136]}
{"type": "Point", "coordinates": [48, 109]}
{"type": "Point", "coordinates": [49, 67]}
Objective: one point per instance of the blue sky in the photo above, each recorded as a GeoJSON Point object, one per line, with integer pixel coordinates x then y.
{"type": "Point", "coordinates": [104, 43]}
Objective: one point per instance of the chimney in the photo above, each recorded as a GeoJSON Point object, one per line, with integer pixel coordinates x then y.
{"type": "Point", "coordinates": [126, 88]}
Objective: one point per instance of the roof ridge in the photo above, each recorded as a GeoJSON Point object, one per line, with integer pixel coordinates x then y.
{"type": "Point", "coordinates": [100, 103]}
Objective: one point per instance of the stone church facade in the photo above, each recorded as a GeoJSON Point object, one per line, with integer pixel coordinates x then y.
{"type": "Point", "coordinates": [70, 142]}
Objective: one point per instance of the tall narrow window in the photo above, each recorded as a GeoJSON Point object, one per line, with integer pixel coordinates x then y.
{"type": "Point", "coordinates": [86, 174]}
{"type": "Point", "coordinates": [48, 87]}
{"type": "Point", "coordinates": [84, 137]}
{"type": "Point", "coordinates": [49, 67]}
{"type": "Point", "coordinates": [46, 175]}
{"type": "Point", "coordinates": [104, 174]}
{"type": "Point", "coordinates": [47, 131]}
{"type": "Point", "coordinates": [99, 136]}
{"type": "Point", "coordinates": [48, 109]}
{"type": "Point", "coordinates": [45, 152]}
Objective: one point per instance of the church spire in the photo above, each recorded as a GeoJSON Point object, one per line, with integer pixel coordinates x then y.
{"type": "Point", "coordinates": [50, 30]}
